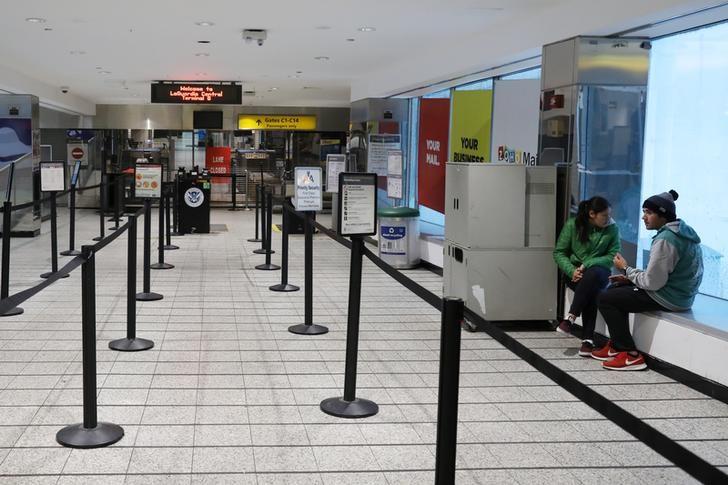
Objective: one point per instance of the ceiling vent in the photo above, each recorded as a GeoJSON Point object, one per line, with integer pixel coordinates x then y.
{"type": "Point", "coordinates": [255, 35]}
{"type": "Point", "coordinates": [248, 93]}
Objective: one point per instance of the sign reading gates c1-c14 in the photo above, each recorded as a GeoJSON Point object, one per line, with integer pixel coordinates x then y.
{"type": "Point", "coordinates": [308, 189]}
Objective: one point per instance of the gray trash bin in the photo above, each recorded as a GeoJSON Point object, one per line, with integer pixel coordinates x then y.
{"type": "Point", "coordinates": [399, 236]}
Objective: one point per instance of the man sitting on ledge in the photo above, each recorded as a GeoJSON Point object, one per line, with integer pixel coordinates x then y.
{"type": "Point", "coordinates": [669, 283]}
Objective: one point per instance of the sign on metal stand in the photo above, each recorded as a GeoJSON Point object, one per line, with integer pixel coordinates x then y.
{"type": "Point", "coordinates": [52, 180]}
{"type": "Point", "coordinates": [357, 218]}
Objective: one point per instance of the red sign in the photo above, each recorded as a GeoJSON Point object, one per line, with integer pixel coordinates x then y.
{"type": "Point", "coordinates": [77, 153]}
{"type": "Point", "coordinates": [217, 160]}
{"type": "Point", "coordinates": [432, 152]}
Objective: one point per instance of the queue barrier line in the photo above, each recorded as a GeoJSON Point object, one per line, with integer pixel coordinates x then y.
{"type": "Point", "coordinates": [48, 197]}
{"type": "Point", "coordinates": [18, 298]}
{"type": "Point", "coordinates": [680, 456]}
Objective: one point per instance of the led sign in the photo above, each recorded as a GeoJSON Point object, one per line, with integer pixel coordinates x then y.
{"type": "Point", "coordinates": [196, 93]}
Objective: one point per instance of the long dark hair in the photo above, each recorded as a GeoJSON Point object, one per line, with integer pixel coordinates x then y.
{"type": "Point", "coordinates": [597, 204]}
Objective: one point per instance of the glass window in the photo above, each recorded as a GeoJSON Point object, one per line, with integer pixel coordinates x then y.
{"type": "Point", "coordinates": [483, 84]}
{"type": "Point", "coordinates": [445, 93]}
{"type": "Point", "coordinates": [534, 73]}
{"type": "Point", "coordinates": [686, 141]}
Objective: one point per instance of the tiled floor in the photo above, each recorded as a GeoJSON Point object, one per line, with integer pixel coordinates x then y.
{"type": "Point", "coordinates": [228, 395]}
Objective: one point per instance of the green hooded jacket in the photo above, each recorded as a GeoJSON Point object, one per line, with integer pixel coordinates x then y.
{"type": "Point", "coordinates": [599, 250]}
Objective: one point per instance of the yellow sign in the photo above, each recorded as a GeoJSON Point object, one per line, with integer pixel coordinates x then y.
{"type": "Point", "coordinates": [470, 128]}
{"type": "Point", "coordinates": [277, 122]}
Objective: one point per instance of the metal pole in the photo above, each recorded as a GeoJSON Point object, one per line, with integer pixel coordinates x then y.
{"type": "Point", "coordinates": [247, 190]}
{"type": "Point", "coordinates": [5, 277]}
{"type": "Point", "coordinates": [233, 190]}
{"type": "Point", "coordinates": [284, 286]}
{"type": "Point", "coordinates": [90, 434]}
{"type": "Point", "coordinates": [167, 208]}
{"type": "Point", "coordinates": [263, 231]}
{"type": "Point", "coordinates": [308, 327]}
{"type": "Point", "coordinates": [257, 215]}
{"type": "Point", "coordinates": [160, 264]}
{"type": "Point", "coordinates": [54, 240]}
{"type": "Point", "coordinates": [175, 207]}
{"type": "Point", "coordinates": [447, 399]}
{"type": "Point", "coordinates": [349, 406]}
{"type": "Point", "coordinates": [147, 294]}
{"type": "Point", "coordinates": [131, 343]}
{"type": "Point", "coordinates": [71, 251]}
{"type": "Point", "coordinates": [268, 266]}
{"type": "Point", "coordinates": [102, 207]}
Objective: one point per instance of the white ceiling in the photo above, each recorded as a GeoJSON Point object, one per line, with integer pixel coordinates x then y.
{"type": "Point", "coordinates": [140, 41]}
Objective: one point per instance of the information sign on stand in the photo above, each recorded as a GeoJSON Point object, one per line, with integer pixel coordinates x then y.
{"type": "Point", "coordinates": [308, 189]}
{"type": "Point", "coordinates": [335, 164]}
{"type": "Point", "coordinates": [357, 204]}
{"type": "Point", "coordinates": [394, 174]}
{"type": "Point", "coordinates": [147, 181]}
{"type": "Point", "coordinates": [52, 176]}
{"type": "Point", "coordinates": [75, 173]}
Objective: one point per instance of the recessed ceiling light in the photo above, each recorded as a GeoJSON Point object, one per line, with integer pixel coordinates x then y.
{"type": "Point", "coordinates": [203, 41]}
{"type": "Point", "coordinates": [77, 53]}
{"type": "Point", "coordinates": [366, 29]}
{"type": "Point", "coordinates": [99, 68]}
{"type": "Point", "coordinates": [323, 27]}
{"type": "Point", "coordinates": [47, 29]}
{"type": "Point", "coordinates": [294, 76]}
{"type": "Point", "coordinates": [322, 58]}
{"type": "Point", "coordinates": [350, 39]}
{"type": "Point", "coordinates": [202, 54]}
{"type": "Point", "coordinates": [201, 74]}
{"type": "Point", "coordinates": [205, 23]}
{"type": "Point", "coordinates": [273, 89]}
{"type": "Point", "coordinates": [299, 72]}
{"type": "Point", "coordinates": [104, 72]}
{"type": "Point", "coordinates": [35, 20]}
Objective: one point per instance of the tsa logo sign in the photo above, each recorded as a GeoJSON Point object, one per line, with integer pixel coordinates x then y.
{"type": "Point", "coordinates": [194, 197]}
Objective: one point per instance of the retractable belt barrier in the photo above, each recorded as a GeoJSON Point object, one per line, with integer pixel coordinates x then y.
{"type": "Point", "coordinates": [683, 458]}
{"type": "Point", "coordinates": [48, 197]}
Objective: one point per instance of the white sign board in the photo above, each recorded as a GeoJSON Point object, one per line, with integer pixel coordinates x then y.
{"type": "Point", "coordinates": [52, 176]}
{"type": "Point", "coordinates": [148, 181]}
{"type": "Point", "coordinates": [394, 163]}
{"type": "Point", "coordinates": [308, 189]}
{"type": "Point", "coordinates": [379, 148]}
{"type": "Point", "coordinates": [394, 187]}
{"type": "Point", "coordinates": [515, 121]}
{"type": "Point", "coordinates": [335, 164]}
{"type": "Point", "coordinates": [357, 204]}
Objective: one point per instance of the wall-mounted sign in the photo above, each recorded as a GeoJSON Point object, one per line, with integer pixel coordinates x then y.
{"type": "Point", "coordinates": [335, 164]}
{"type": "Point", "coordinates": [177, 92]}
{"type": "Point", "coordinates": [379, 148]}
{"type": "Point", "coordinates": [52, 176]}
{"type": "Point", "coordinates": [432, 152]}
{"type": "Point", "coordinates": [147, 181]}
{"type": "Point", "coordinates": [357, 204]}
{"type": "Point", "coordinates": [394, 174]}
{"type": "Point", "coordinates": [308, 189]}
{"type": "Point", "coordinates": [277, 122]}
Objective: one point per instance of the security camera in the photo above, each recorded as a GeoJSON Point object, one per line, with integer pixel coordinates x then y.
{"type": "Point", "coordinates": [647, 45]}
{"type": "Point", "coordinates": [260, 42]}
{"type": "Point", "coordinates": [257, 35]}
{"type": "Point", "coordinates": [64, 89]}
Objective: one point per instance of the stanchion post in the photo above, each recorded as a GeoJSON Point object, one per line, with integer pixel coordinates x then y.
{"type": "Point", "coordinates": [102, 207]}
{"type": "Point", "coordinates": [117, 201]}
{"type": "Point", "coordinates": [175, 207]}
{"type": "Point", "coordinates": [90, 433]}
{"type": "Point", "coordinates": [284, 286]}
{"type": "Point", "coordinates": [147, 294]}
{"type": "Point", "coordinates": [5, 276]}
{"type": "Point", "coordinates": [160, 264]}
{"type": "Point", "coordinates": [131, 343]}
{"type": "Point", "coordinates": [349, 406]}
{"type": "Point", "coordinates": [247, 190]}
{"type": "Point", "coordinates": [447, 399]}
{"type": "Point", "coordinates": [257, 215]}
{"type": "Point", "coordinates": [167, 203]}
{"type": "Point", "coordinates": [268, 266]}
{"type": "Point", "coordinates": [54, 240]}
{"type": "Point", "coordinates": [234, 191]}
{"type": "Point", "coordinates": [263, 217]}
{"type": "Point", "coordinates": [308, 327]}
{"type": "Point", "coordinates": [71, 251]}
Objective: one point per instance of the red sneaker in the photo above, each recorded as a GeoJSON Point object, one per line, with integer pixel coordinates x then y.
{"type": "Point", "coordinates": [586, 348]}
{"type": "Point", "coordinates": [625, 361]}
{"type": "Point", "coordinates": [605, 353]}
{"type": "Point", "coordinates": [564, 327]}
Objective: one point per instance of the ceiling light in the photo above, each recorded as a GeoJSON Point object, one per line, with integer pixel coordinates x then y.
{"type": "Point", "coordinates": [323, 27]}
{"type": "Point", "coordinates": [47, 29]}
{"type": "Point", "coordinates": [35, 20]}
{"type": "Point", "coordinates": [203, 41]}
{"type": "Point", "coordinates": [299, 72]}
{"type": "Point", "coordinates": [273, 89]}
{"type": "Point", "coordinates": [366, 29]}
{"type": "Point", "coordinates": [77, 53]}
{"type": "Point", "coordinates": [205, 23]}
{"type": "Point", "coordinates": [200, 74]}
{"type": "Point", "coordinates": [350, 39]}
{"type": "Point", "coordinates": [322, 58]}
{"type": "Point", "coordinates": [202, 54]}
{"type": "Point", "coordinates": [104, 72]}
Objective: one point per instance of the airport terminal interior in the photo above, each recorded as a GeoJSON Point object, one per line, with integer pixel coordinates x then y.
{"type": "Point", "coordinates": [316, 243]}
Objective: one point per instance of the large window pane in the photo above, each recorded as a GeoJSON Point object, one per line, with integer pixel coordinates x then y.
{"type": "Point", "coordinates": [687, 140]}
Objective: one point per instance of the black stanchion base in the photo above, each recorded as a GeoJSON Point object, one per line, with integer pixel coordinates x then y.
{"type": "Point", "coordinates": [303, 329]}
{"type": "Point", "coordinates": [12, 312]}
{"type": "Point", "coordinates": [161, 266]}
{"type": "Point", "coordinates": [151, 296]}
{"type": "Point", "coordinates": [51, 273]}
{"type": "Point", "coordinates": [113, 228]}
{"type": "Point", "coordinates": [175, 233]}
{"type": "Point", "coordinates": [76, 436]}
{"type": "Point", "coordinates": [268, 267]}
{"type": "Point", "coordinates": [170, 247]}
{"type": "Point", "coordinates": [282, 287]}
{"type": "Point", "coordinates": [263, 251]}
{"type": "Point", "coordinates": [70, 252]}
{"type": "Point", "coordinates": [97, 238]}
{"type": "Point", "coordinates": [358, 408]}
{"type": "Point", "coordinates": [233, 210]}
{"type": "Point", "coordinates": [131, 344]}
{"type": "Point", "coordinates": [255, 239]}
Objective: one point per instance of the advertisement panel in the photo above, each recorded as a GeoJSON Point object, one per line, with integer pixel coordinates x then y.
{"type": "Point", "coordinates": [470, 129]}
{"type": "Point", "coordinates": [432, 152]}
{"type": "Point", "coordinates": [515, 121]}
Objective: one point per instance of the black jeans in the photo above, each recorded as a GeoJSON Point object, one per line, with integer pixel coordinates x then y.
{"type": "Point", "coordinates": [616, 304]}
{"type": "Point", "coordinates": [586, 290]}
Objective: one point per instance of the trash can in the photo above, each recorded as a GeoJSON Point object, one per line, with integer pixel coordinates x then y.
{"type": "Point", "coordinates": [399, 236]}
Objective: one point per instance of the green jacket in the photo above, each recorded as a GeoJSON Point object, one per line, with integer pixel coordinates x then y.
{"type": "Point", "coordinates": [599, 250]}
